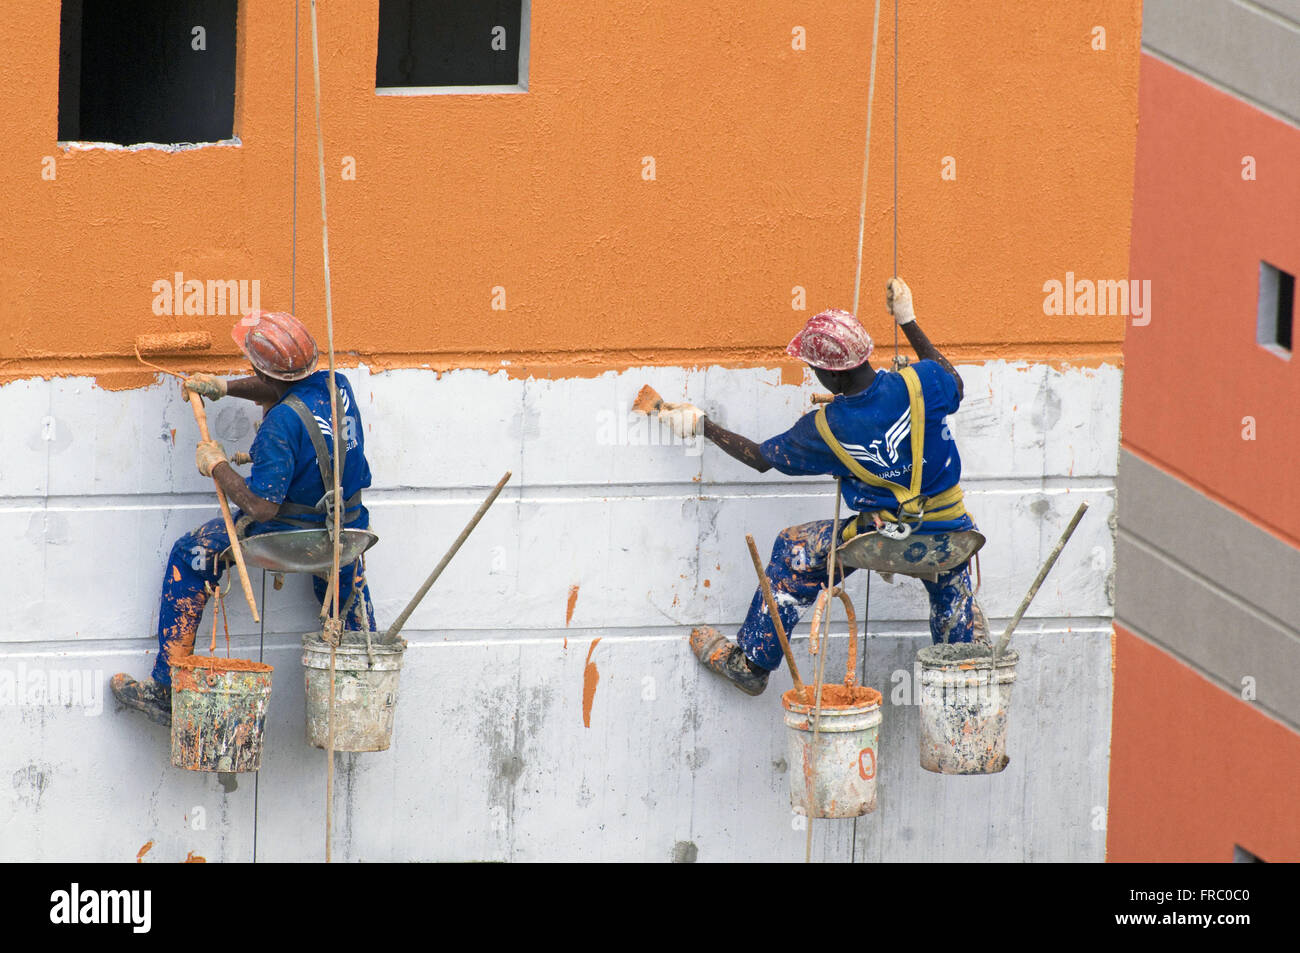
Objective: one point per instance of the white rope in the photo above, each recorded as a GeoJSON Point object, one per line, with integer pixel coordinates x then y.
{"type": "Point", "coordinates": [334, 422]}
{"type": "Point", "coordinates": [866, 159]}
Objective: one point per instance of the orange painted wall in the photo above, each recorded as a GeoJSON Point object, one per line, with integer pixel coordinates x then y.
{"type": "Point", "coordinates": [1199, 771]}
{"type": "Point", "coordinates": [758, 151]}
{"type": "Point", "coordinates": [1199, 232]}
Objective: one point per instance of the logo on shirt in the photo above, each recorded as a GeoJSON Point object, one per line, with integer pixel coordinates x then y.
{"type": "Point", "coordinates": [349, 427]}
{"type": "Point", "coordinates": [895, 435]}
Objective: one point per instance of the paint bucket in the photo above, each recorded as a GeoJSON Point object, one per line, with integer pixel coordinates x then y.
{"type": "Point", "coordinates": [964, 708]}
{"type": "Point", "coordinates": [219, 713]}
{"type": "Point", "coordinates": [365, 694]}
{"type": "Point", "coordinates": [840, 767]}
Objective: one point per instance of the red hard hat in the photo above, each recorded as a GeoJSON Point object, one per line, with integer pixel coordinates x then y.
{"type": "Point", "coordinates": [278, 344]}
{"type": "Point", "coordinates": [833, 341]}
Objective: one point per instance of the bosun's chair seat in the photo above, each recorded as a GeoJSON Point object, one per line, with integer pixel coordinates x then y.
{"type": "Point", "coordinates": [923, 555]}
{"type": "Point", "coordinates": [302, 550]}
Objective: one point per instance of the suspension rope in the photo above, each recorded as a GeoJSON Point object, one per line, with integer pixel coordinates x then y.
{"type": "Point", "coordinates": [334, 624]}
{"type": "Point", "coordinates": [866, 158]}
{"type": "Point", "coordinates": [895, 168]}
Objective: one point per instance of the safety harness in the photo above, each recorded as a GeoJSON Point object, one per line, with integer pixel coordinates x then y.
{"type": "Point", "coordinates": [324, 506]}
{"type": "Point", "coordinates": [913, 508]}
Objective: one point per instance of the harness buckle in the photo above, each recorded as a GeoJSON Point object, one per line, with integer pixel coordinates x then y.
{"type": "Point", "coordinates": [899, 529]}
{"type": "Point", "coordinates": [895, 530]}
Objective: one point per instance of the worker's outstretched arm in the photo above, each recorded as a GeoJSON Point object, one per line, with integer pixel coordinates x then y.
{"type": "Point", "coordinates": [211, 461]}
{"type": "Point", "coordinates": [249, 388]}
{"type": "Point", "coordinates": [736, 446]}
{"type": "Point", "coordinates": [687, 420]}
{"type": "Point", "coordinates": [898, 299]}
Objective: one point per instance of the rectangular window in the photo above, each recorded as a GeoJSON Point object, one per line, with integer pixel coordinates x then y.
{"type": "Point", "coordinates": [1276, 316]}
{"type": "Point", "coordinates": [452, 46]}
{"type": "Point", "coordinates": [148, 71]}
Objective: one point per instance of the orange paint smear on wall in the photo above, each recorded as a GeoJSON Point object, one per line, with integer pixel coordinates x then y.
{"type": "Point", "coordinates": [1195, 770]}
{"type": "Point", "coordinates": [573, 601]}
{"type": "Point", "coordinates": [758, 170]}
{"type": "Point", "coordinates": [590, 678]}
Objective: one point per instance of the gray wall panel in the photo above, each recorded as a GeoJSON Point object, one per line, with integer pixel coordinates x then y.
{"type": "Point", "coordinates": [1209, 539]}
{"type": "Point", "coordinates": [1251, 49]}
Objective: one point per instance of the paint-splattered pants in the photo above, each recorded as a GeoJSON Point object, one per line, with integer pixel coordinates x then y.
{"type": "Point", "coordinates": [194, 561]}
{"type": "Point", "coordinates": [797, 572]}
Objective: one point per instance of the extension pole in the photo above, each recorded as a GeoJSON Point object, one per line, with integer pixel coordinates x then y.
{"type": "Point", "coordinates": [776, 616]}
{"type": "Point", "coordinates": [1042, 574]}
{"type": "Point", "coordinates": [396, 627]}
{"type": "Point", "coordinates": [201, 418]}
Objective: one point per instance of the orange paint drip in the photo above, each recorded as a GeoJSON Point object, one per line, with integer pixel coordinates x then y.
{"type": "Point", "coordinates": [573, 601]}
{"type": "Point", "coordinates": [590, 678]}
{"type": "Point", "coordinates": [176, 574]}
{"type": "Point", "coordinates": [139, 856]}
{"type": "Point", "coordinates": [193, 858]}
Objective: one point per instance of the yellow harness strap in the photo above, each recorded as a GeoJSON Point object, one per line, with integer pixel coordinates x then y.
{"type": "Point", "coordinates": [942, 506]}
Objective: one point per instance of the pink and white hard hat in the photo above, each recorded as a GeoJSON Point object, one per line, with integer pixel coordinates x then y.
{"type": "Point", "coordinates": [833, 341]}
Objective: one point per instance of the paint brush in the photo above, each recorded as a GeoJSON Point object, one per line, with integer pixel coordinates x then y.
{"type": "Point", "coordinates": [647, 401]}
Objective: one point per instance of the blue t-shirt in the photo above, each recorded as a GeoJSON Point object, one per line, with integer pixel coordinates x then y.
{"type": "Point", "coordinates": [874, 426]}
{"type": "Point", "coordinates": [284, 459]}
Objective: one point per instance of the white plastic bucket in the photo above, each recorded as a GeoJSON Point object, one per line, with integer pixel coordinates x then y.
{"type": "Point", "coordinates": [365, 695]}
{"type": "Point", "coordinates": [841, 770]}
{"type": "Point", "coordinates": [964, 708]}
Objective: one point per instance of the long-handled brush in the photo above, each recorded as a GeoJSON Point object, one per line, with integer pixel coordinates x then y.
{"type": "Point", "coordinates": [181, 343]}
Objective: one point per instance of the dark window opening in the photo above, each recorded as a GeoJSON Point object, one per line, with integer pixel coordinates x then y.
{"type": "Point", "coordinates": [147, 71]}
{"type": "Point", "coordinates": [1276, 316]}
{"type": "Point", "coordinates": [446, 43]}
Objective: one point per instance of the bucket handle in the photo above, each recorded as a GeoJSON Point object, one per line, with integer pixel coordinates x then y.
{"type": "Point", "coordinates": [821, 615]}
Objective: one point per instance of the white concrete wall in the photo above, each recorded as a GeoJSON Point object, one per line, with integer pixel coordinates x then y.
{"type": "Point", "coordinates": [491, 758]}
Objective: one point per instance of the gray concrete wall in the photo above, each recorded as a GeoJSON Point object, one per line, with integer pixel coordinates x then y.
{"type": "Point", "coordinates": [491, 758]}
{"type": "Point", "coordinates": [1250, 48]}
{"type": "Point", "coordinates": [1209, 586]}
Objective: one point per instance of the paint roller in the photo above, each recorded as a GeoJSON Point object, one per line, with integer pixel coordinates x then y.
{"type": "Point", "coordinates": [187, 342]}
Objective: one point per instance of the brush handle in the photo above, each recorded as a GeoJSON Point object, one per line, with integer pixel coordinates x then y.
{"type": "Point", "coordinates": [201, 418]}
{"type": "Point", "coordinates": [776, 617]}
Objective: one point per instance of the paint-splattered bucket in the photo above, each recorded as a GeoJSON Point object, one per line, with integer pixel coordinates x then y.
{"type": "Point", "coordinates": [964, 708]}
{"type": "Point", "coordinates": [365, 694]}
{"type": "Point", "coordinates": [219, 713]}
{"type": "Point", "coordinates": [842, 767]}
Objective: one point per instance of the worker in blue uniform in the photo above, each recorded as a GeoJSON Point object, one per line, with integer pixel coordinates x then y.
{"type": "Point", "coordinates": [885, 434]}
{"type": "Point", "coordinates": [288, 488]}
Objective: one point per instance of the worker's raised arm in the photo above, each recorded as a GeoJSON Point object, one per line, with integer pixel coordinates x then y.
{"type": "Point", "coordinates": [898, 299]}
{"type": "Point", "coordinates": [249, 388]}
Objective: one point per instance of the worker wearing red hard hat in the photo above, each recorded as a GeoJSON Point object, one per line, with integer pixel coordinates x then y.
{"type": "Point", "coordinates": [288, 488]}
{"type": "Point", "coordinates": [862, 435]}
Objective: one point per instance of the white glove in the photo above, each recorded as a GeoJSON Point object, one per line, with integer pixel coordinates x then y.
{"type": "Point", "coordinates": [686, 420]}
{"type": "Point", "coordinates": [898, 299]}
{"type": "Point", "coordinates": [206, 385]}
{"type": "Point", "coordinates": [207, 455]}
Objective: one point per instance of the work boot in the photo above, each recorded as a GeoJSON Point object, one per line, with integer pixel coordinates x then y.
{"type": "Point", "coordinates": [980, 628]}
{"type": "Point", "coordinates": [721, 655]}
{"type": "Point", "coordinates": [148, 696]}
